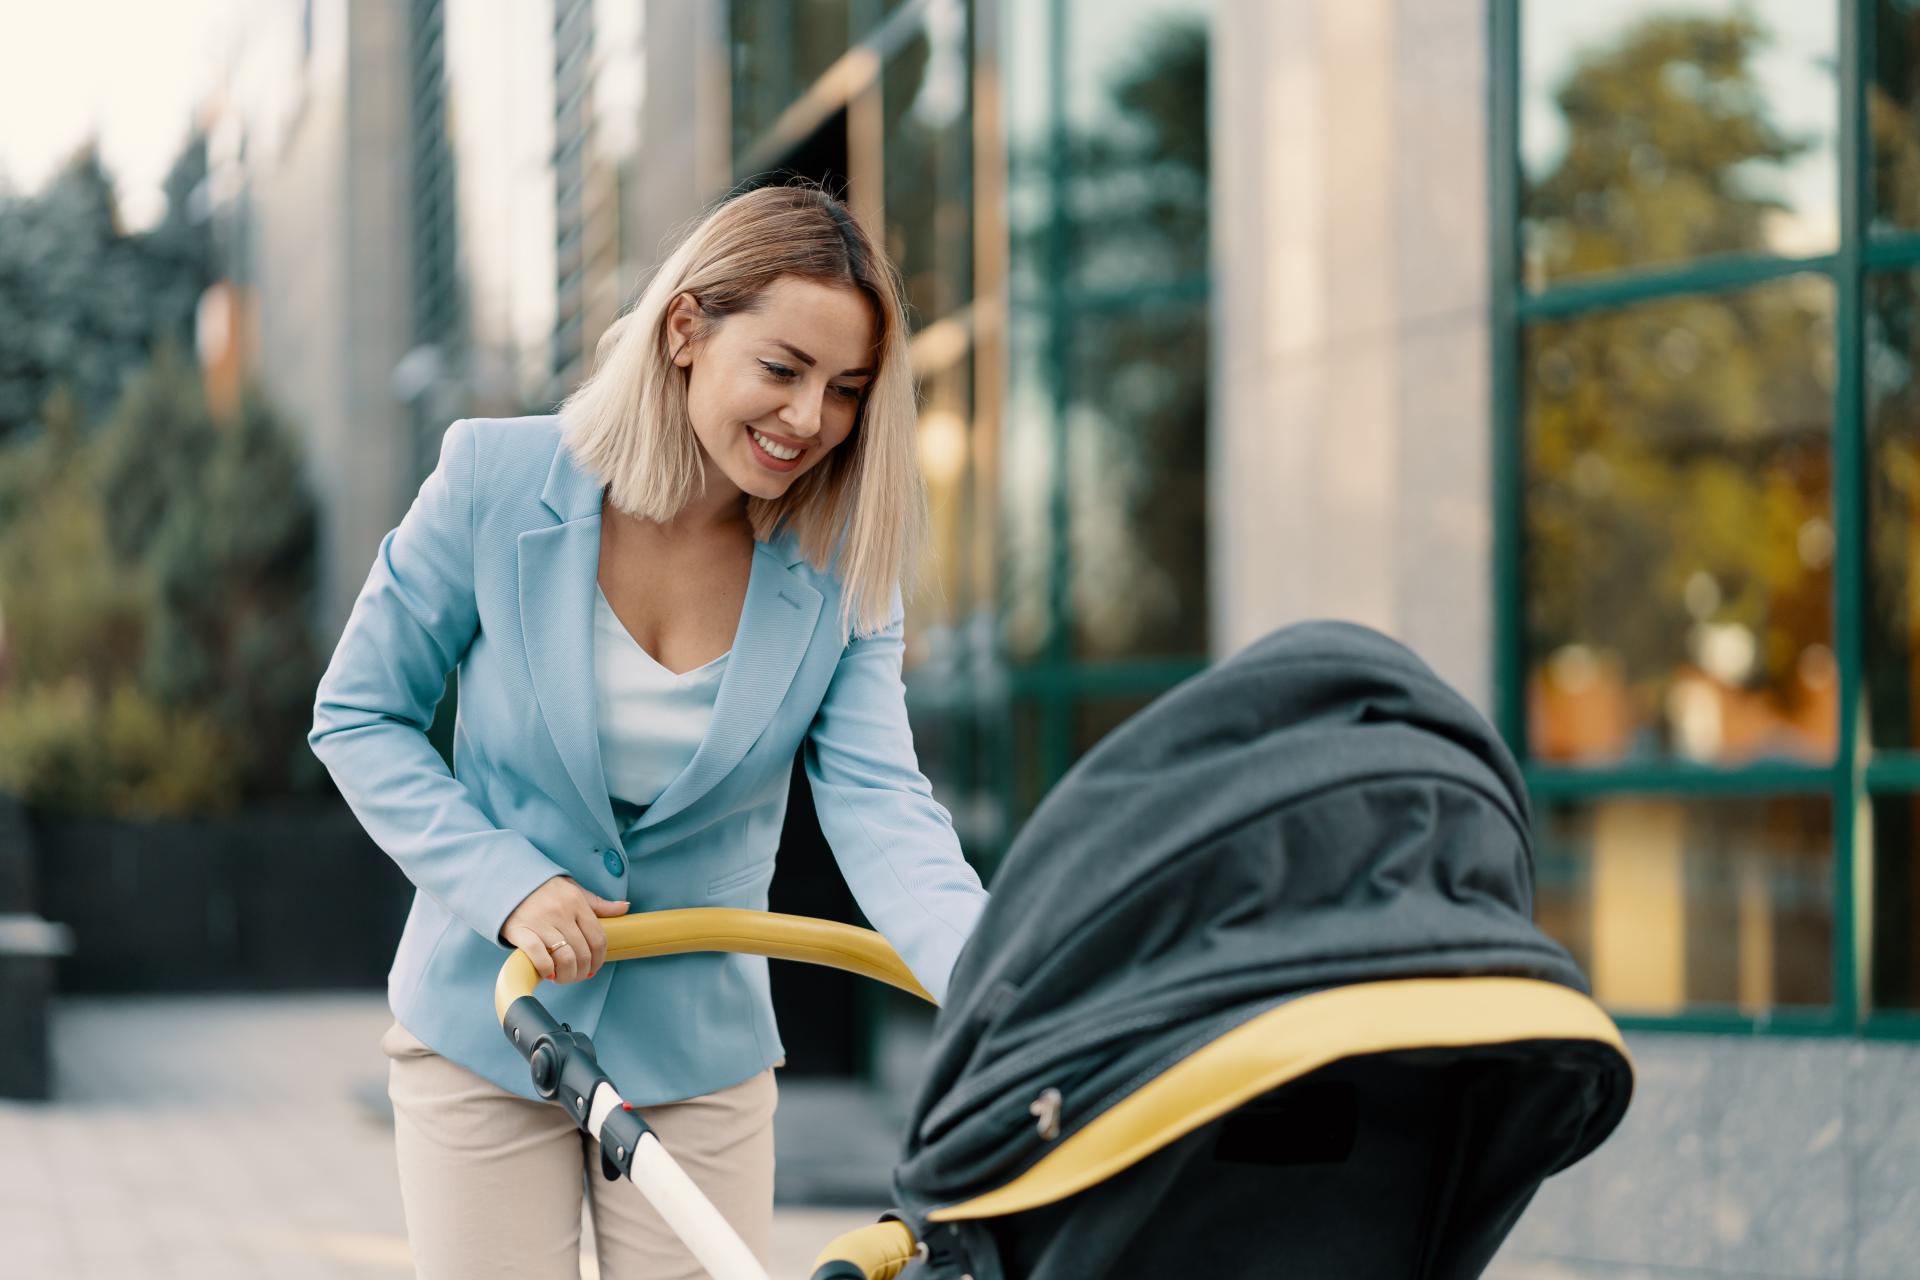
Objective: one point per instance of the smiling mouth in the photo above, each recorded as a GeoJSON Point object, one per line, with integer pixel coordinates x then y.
{"type": "Point", "coordinates": [772, 454]}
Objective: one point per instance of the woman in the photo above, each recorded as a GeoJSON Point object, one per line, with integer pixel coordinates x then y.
{"type": "Point", "coordinates": [654, 600]}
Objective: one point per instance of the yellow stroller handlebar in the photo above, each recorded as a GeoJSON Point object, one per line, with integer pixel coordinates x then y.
{"type": "Point", "coordinates": [757, 933]}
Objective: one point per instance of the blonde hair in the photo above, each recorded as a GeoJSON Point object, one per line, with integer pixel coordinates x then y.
{"type": "Point", "coordinates": [862, 508]}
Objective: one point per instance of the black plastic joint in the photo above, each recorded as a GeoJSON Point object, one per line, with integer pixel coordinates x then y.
{"type": "Point", "coordinates": [527, 1020]}
{"type": "Point", "coordinates": [561, 1059]}
{"type": "Point", "coordinates": [620, 1134]}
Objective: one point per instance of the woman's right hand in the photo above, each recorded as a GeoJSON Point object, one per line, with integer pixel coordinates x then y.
{"type": "Point", "coordinates": [558, 926]}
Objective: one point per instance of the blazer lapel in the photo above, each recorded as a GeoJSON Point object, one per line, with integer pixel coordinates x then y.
{"type": "Point", "coordinates": [776, 625]}
{"type": "Point", "coordinates": [559, 567]}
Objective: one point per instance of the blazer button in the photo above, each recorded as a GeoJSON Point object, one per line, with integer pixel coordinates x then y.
{"type": "Point", "coordinates": [616, 865]}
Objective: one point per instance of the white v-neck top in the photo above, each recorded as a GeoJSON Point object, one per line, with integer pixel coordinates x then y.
{"type": "Point", "coordinates": [651, 720]}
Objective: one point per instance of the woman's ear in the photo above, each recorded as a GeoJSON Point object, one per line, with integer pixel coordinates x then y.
{"type": "Point", "coordinates": [683, 329]}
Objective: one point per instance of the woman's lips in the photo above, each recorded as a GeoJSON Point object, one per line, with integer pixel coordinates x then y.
{"type": "Point", "coordinates": [767, 460]}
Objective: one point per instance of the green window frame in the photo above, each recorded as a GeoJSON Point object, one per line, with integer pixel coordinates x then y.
{"type": "Point", "coordinates": [1851, 781]}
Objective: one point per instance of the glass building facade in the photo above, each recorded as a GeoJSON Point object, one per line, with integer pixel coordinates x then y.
{"type": "Point", "coordinates": [1701, 416]}
{"type": "Point", "coordinates": [1704, 281]}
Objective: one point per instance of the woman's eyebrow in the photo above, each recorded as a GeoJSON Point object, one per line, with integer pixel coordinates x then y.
{"type": "Point", "coordinates": [809, 361]}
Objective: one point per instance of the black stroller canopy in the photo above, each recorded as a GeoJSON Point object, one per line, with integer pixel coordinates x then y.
{"type": "Point", "coordinates": [1319, 811]}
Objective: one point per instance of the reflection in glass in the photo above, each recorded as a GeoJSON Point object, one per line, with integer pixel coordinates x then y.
{"type": "Point", "coordinates": [1671, 904]}
{"type": "Point", "coordinates": [1892, 523]}
{"type": "Point", "coordinates": [928, 159]}
{"type": "Point", "coordinates": [936, 638]}
{"type": "Point", "coordinates": [1654, 133]}
{"type": "Point", "coordinates": [1893, 926]}
{"type": "Point", "coordinates": [1024, 58]}
{"type": "Point", "coordinates": [1893, 116]}
{"type": "Point", "coordinates": [1026, 493]}
{"type": "Point", "coordinates": [1678, 530]}
{"type": "Point", "coordinates": [1137, 482]}
{"type": "Point", "coordinates": [1137, 141]}
{"type": "Point", "coordinates": [779, 47]}
{"type": "Point", "coordinates": [1109, 345]}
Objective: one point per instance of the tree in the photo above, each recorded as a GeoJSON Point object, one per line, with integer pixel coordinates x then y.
{"type": "Point", "coordinates": [155, 591]}
{"type": "Point", "coordinates": [218, 519]}
{"type": "Point", "coordinates": [81, 303]}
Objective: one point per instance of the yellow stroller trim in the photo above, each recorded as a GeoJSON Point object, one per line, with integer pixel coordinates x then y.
{"type": "Point", "coordinates": [1284, 1044]}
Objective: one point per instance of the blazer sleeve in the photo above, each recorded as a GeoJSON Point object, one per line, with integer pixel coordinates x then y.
{"type": "Point", "coordinates": [411, 625]}
{"type": "Point", "coordinates": [894, 843]}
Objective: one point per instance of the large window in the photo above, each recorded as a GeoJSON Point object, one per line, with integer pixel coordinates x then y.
{"type": "Point", "coordinates": [1707, 267]}
{"type": "Point", "coordinates": [1103, 529]}
{"type": "Point", "coordinates": [1039, 171]}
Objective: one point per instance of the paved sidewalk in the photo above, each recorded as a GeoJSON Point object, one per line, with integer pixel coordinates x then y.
{"type": "Point", "coordinates": [208, 1137]}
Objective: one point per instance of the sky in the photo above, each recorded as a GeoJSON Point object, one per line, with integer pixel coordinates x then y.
{"type": "Point", "coordinates": [129, 72]}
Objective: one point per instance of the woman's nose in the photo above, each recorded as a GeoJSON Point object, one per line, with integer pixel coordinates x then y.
{"type": "Point", "coordinates": [802, 414]}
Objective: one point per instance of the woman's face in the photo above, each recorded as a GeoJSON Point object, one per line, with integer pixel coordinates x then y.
{"type": "Point", "coordinates": [772, 391]}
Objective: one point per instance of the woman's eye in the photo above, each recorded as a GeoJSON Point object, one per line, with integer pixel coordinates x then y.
{"type": "Point", "coordinates": [777, 370]}
{"type": "Point", "coordinates": [849, 394]}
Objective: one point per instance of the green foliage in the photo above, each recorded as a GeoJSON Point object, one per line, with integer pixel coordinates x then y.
{"type": "Point", "coordinates": [64, 747]}
{"type": "Point", "coordinates": [156, 566]}
{"type": "Point", "coordinates": [156, 656]}
{"type": "Point", "coordinates": [67, 608]}
{"type": "Point", "coordinates": [82, 303]}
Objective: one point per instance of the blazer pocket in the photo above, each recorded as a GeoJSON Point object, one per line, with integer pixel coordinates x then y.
{"type": "Point", "coordinates": [734, 879]}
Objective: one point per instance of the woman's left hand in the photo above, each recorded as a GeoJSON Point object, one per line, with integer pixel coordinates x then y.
{"type": "Point", "coordinates": [558, 926]}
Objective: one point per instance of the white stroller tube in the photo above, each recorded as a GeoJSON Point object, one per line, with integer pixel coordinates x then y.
{"type": "Point", "coordinates": [692, 1216]}
{"type": "Point", "coordinates": [709, 1237]}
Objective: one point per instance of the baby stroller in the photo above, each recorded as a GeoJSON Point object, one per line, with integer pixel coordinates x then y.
{"type": "Point", "coordinates": [1258, 994]}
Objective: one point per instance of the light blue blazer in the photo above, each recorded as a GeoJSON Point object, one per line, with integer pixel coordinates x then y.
{"type": "Point", "coordinates": [493, 571]}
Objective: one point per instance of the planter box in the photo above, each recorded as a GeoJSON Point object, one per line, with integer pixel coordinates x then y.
{"type": "Point", "coordinates": [292, 898]}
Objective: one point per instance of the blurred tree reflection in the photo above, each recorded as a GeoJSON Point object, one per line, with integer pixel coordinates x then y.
{"type": "Point", "coordinates": [1667, 131]}
{"type": "Point", "coordinates": [1137, 209]}
{"type": "Point", "coordinates": [1893, 116]}
{"type": "Point", "coordinates": [1138, 193]}
{"type": "Point", "coordinates": [1678, 521]}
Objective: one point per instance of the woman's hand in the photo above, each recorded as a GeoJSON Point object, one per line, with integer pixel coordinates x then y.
{"type": "Point", "coordinates": [558, 926]}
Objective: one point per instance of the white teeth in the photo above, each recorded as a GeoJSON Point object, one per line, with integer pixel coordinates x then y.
{"type": "Point", "coordinates": [779, 451]}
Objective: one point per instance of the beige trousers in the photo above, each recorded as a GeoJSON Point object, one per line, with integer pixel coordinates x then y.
{"type": "Point", "coordinates": [492, 1182]}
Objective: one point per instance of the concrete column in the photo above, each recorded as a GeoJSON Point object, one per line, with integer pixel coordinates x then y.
{"type": "Point", "coordinates": [1351, 434]}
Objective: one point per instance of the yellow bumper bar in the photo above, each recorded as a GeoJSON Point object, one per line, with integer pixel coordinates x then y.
{"type": "Point", "coordinates": [1285, 1043]}
{"type": "Point", "coordinates": [881, 1252]}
